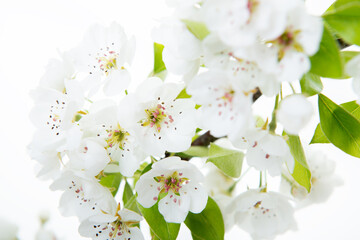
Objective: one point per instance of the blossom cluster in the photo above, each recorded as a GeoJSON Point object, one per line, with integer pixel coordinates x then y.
{"type": "Point", "coordinates": [91, 129]}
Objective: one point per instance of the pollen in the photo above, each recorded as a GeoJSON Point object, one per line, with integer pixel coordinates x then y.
{"type": "Point", "coordinates": [156, 117]}
{"type": "Point", "coordinates": [117, 137]}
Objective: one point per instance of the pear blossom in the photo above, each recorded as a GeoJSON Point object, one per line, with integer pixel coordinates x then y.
{"type": "Point", "coordinates": [323, 180]}
{"type": "Point", "coordinates": [182, 50]}
{"type": "Point", "coordinates": [57, 72]}
{"type": "Point", "coordinates": [8, 230]}
{"type": "Point", "coordinates": [104, 56]}
{"type": "Point", "coordinates": [352, 68]}
{"type": "Point", "coordinates": [263, 214]}
{"type": "Point", "coordinates": [54, 116]}
{"type": "Point", "coordinates": [113, 225]}
{"type": "Point", "coordinates": [294, 113]}
{"type": "Point", "coordinates": [159, 120]}
{"type": "Point", "coordinates": [179, 181]}
{"type": "Point", "coordinates": [225, 110]}
{"type": "Point", "coordinates": [105, 123]}
{"type": "Point", "coordinates": [49, 162]}
{"type": "Point", "coordinates": [82, 197]}
{"type": "Point", "coordinates": [300, 39]}
{"type": "Point", "coordinates": [90, 158]}
{"type": "Point", "coordinates": [241, 23]}
{"type": "Point", "coordinates": [265, 151]}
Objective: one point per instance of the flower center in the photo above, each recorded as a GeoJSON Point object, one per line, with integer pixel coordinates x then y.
{"type": "Point", "coordinates": [54, 121]}
{"type": "Point", "coordinates": [173, 182]}
{"type": "Point", "coordinates": [117, 137]}
{"type": "Point", "coordinates": [251, 5]}
{"type": "Point", "coordinates": [155, 117]}
{"type": "Point", "coordinates": [286, 41]}
{"type": "Point", "coordinates": [107, 61]}
{"type": "Point", "coordinates": [228, 96]}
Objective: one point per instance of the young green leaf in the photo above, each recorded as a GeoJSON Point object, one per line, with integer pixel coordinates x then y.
{"type": "Point", "coordinates": [157, 223]}
{"type": "Point", "coordinates": [344, 19]}
{"type": "Point", "coordinates": [311, 84]}
{"type": "Point", "coordinates": [301, 172]}
{"type": "Point", "coordinates": [131, 204]}
{"type": "Point", "coordinates": [198, 29]}
{"type": "Point", "coordinates": [339, 3]}
{"type": "Point", "coordinates": [352, 107]}
{"type": "Point", "coordinates": [339, 126]}
{"type": "Point", "coordinates": [207, 225]}
{"type": "Point", "coordinates": [197, 151]}
{"type": "Point", "coordinates": [128, 193]}
{"type": "Point", "coordinates": [348, 55]}
{"type": "Point", "coordinates": [227, 160]}
{"type": "Point", "coordinates": [327, 62]}
{"type": "Point", "coordinates": [319, 136]}
{"type": "Point", "coordinates": [112, 182]}
{"type": "Point", "coordinates": [183, 94]}
{"type": "Point", "coordinates": [159, 65]}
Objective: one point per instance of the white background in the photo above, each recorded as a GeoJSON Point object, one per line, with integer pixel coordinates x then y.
{"type": "Point", "coordinates": [30, 34]}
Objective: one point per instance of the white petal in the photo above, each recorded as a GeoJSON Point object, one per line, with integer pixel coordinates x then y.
{"type": "Point", "coordinates": [198, 197]}
{"type": "Point", "coordinates": [129, 216]}
{"type": "Point", "coordinates": [294, 113]}
{"type": "Point", "coordinates": [174, 208]}
{"type": "Point", "coordinates": [116, 82]}
{"type": "Point", "coordinates": [148, 190]}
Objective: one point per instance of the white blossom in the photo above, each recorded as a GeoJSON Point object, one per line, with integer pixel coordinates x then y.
{"type": "Point", "coordinates": [225, 110]}
{"type": "Point", "coordinates": [294, 113]}
{"type": "Point", "coordinates": [265, 151]}
{"type": "Point", "coordinates": [90, 158]}
{"type": "Point", "coordinates": [179, 180]}
{"type": "Point", "coordinates": [82, 197]}
{"type": "Point", "coordinates": [105, 123]}
{"type": "Point", "coordinates": [113, 225]}
{"type": "Point", "coordinates": [263, 214]}
{"type": "Point", "coordinates": [104, 55]}
{"type": "Point", "coordinates": [8, 230]}
{"type": "Point", "coordinates": [57, 71]}
{"type": "Point", "coordinates": [323, 180]}
{"type": "Point", "coordinates": [241, 23]}
{"type": "Point", "coordinates": [160, 121]}
{"type": "Point", "coordinates": [182, 50]}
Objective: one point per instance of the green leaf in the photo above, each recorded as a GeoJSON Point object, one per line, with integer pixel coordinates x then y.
{"type": "Point", "coordinates": [311, 84]}
{"type": "Point", "coordinates": [112, 182]}
{"type": "Point", "coordinates": [301, 172]}
{"type": "Point", "coordinates": [131, 204]}
{"type": "Point", "coordinates": [348, 55]}
{"type": "Point", "coordinates": [183, 94]}
{"type": "Point", "coordinates": [319, 136]}
{"type": "Point", "coordinates": [197, 151]}
{"type": "Point", "coordinates": [227, 160]}
{"type": "Point", "coordinates": [339, 3]}
{"type": "Point", "coordinates": [157, 223]}
{"type": "Point", "coordinates": [339, 126]}
{"type": "Point", "coordinates": [327, 62]}
{"type": "Point", "coordinates": [207, 225]}
{"type": "Point", "coordinates": [198, 29]}
{"type": "Point", "coordinates": [344, 19]}
{"type": "Point", "coordinates": [159, 65]}
{"type": "Point", "coordinates": [352, 107]}
{"type": "Point", "coordinates": [128, 193]}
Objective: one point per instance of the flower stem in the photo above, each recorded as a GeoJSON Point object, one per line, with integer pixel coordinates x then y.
{"type": "Point", "coordinates": [272, 125]}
